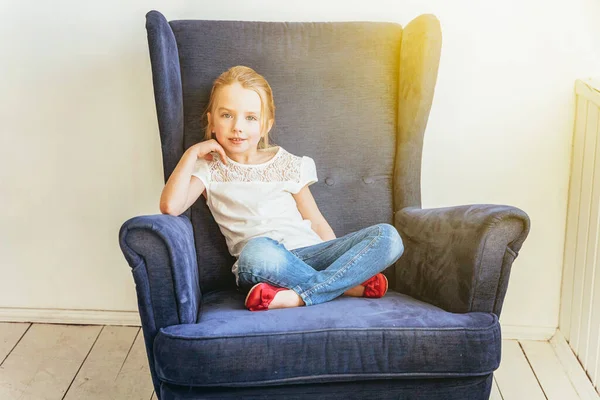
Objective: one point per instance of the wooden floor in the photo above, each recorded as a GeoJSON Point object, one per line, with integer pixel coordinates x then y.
{"type": "Point", "coordinates": [51, 361]}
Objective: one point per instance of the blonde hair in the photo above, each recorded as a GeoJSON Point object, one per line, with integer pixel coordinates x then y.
{"type": "Point", "coordinates": [249, 79]}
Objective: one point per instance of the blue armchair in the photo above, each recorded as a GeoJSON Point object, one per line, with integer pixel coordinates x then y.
{"type": "Point", "coordinates": [354, 96]}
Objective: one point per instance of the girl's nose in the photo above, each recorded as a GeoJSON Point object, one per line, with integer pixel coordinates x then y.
{"type": "Point", "coordinates": [237, 126]}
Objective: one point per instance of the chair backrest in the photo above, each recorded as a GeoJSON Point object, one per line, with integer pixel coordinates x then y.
{"type": "Point", "coordinates": [336, 91]}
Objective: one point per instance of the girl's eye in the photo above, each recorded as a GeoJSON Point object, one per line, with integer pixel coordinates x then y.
{"type": "Point", "coordinates": [252, 118]}
{"type": "Point", "coordinates": [226, 115]}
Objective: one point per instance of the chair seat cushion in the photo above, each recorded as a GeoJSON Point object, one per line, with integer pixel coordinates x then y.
{"type": "Point", "coordinates": [348, 338]}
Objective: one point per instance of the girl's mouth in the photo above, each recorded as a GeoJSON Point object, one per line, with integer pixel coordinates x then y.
{"type": "Point", "coordinates": [236, 141]}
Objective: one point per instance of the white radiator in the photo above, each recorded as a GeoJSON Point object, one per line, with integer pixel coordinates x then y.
{"type": "Point", "coordinates": [580, 294]}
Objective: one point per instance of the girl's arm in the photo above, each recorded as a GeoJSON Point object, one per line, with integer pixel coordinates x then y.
{"type": "Point", "coordinates": [181, 189]}
{"type": "Point", "coordinates": [309, 210]}
{"type": "Point", "coordinates": [174, 195]}
{"type": "Point", "coordinates": [323, 230]}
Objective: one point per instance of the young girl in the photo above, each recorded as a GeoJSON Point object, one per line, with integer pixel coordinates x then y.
{"type": "Point", "coordinates": [286, 253]}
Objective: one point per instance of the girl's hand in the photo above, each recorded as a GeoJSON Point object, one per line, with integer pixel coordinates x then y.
{"type": "Point", "coordinates": [203, 150]}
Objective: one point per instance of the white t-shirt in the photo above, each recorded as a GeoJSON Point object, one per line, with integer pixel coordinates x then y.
{"type": "Point", "coordinates": [254, 200]}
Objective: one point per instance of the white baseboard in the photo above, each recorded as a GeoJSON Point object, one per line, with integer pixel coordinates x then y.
{"type": "Point", "coordinates": [579, 378]}
{"type": "Point", "coordinates": [523, 332]}
{"type": "Point", "coordinates": [74, 317]}
{"type": "Point", "coordinates": [132, 318]}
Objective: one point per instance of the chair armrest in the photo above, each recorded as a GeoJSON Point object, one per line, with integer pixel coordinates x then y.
{"type": "Point", "coordinates": [459, 258]}
{"type": "Point", "coordinates": [160, 250]}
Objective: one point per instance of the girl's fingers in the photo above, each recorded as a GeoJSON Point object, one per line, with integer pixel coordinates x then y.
{"type": "Point", "coordinates": [222, 152]}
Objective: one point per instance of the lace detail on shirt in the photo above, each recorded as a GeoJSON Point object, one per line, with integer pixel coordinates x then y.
{"type": "Point", "coordinates": [285, 167]}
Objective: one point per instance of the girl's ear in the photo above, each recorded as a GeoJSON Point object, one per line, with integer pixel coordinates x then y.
{"type": "Point", "coordinates": [209, 121]}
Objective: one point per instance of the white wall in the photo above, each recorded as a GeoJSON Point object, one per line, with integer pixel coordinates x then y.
{"type": "Point", "coordinates": [80, 150]}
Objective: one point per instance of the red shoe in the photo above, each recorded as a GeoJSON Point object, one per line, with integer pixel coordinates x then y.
{"type": "Point", "coordinates": [260, 296]}
{"type": "Point", "coordinates": [376, 286]}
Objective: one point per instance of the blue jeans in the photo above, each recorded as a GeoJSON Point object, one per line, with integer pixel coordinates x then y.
{"type": "Point", "coordinates": [323, 271]}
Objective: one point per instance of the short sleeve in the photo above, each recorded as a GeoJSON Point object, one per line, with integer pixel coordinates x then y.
{"type": "Point", "coordinates": [202, 172]}
{"type": "Point", "coordinates": [308, 173]}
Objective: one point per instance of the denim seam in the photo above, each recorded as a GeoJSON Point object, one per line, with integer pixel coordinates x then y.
{"type": "Point", "coordinates": [263, 279]}
{"type": "Point", "coordinates": [308, 293]}
{"type": "Point", "coordinates": [312, 255]}
{"type": "Point", "coordinates": [296, 255]}
{"type": "Point", "coordinates": [315, 254]}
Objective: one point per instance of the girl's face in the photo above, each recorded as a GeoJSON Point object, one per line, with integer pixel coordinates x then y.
{"type": "Point", "coordinates": [236, 119]}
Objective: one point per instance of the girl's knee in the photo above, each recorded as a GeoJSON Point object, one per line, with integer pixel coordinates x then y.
{"type": "Point", "coordinates": [260, 254]}
{"type": "Point", "coordinates": [395, 245]}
